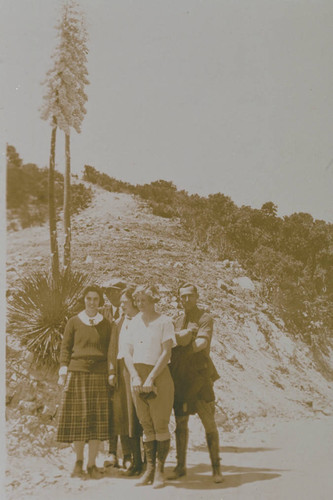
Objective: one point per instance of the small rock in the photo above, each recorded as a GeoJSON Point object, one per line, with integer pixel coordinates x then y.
{"type": "Point", "coordinates": [177, 265]}
{"type": "Point", "coordinates": [27, 406]}
{"type": "Point", "coordinates": [88, 260]}
{"type": "Point", "coordinates": [222, 285]}
{"type": "Point", "coordinates": [245, 283]}
{"type": "Point", "coordinates": [9, 398]}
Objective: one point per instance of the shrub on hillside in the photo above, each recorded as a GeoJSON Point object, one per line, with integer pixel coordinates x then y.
{"type": "Point", "coordinates": [40, 309]}
{"type": "Point", "coordinates": [80, 197]}
{"type": "Point", "coordinates": [27, 192]}
{"type": "Point", "coordinates": [108, 183]}
{"type": "Point", "coordinates": [293, 254]}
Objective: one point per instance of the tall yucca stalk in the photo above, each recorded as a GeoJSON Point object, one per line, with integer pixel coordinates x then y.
{"type": "Point", "coordinates": [65, 98]}
{"type": "Point", "coordinates": [40, 310]}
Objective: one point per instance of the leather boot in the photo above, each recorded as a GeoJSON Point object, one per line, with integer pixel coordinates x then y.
{"type": "Point", "coordinates": [214, 453]}
{"type": "Point", "coordinates": [181, 447]}
{"type": "Point", "coordinates": [136, 468]}
{"type": "Point", "coordinates": [161, 453]}
{"type": "Point", "coordinates": [148, 476]}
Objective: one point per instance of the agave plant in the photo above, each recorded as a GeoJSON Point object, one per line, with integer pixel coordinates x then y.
{"type": "Point", "coordinates": [40, 309]}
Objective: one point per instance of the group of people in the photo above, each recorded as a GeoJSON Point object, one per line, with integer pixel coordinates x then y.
{"type": "Point", "coordinates": [124, 367]}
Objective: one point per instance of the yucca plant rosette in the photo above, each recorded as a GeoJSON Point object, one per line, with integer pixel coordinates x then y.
{"type": "Point", "coordinates": [40, 309]}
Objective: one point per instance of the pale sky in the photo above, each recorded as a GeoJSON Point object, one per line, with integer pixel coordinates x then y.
{"type": "Point", "coordinates": [217, 96]}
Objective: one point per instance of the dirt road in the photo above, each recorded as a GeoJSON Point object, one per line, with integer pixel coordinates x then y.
{"type": "Point", "coordinates": [287, 460]}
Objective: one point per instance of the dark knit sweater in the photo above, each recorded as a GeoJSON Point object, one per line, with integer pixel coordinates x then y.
{"type": "Point", "coordinates": [84, 347]}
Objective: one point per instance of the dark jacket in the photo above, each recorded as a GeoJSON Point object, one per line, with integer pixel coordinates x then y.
{"type": "Point", "coordinates": [193, 373]}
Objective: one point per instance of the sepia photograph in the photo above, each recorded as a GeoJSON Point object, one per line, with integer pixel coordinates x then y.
{"type": "Point", "coordinates": [167, 279]}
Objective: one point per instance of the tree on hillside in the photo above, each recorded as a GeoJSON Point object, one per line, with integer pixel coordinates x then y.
{"type": "Point", "coordinates": [270, 208]}
{"type": "Point", "coordinates": [14, 170]}
{"type": "Point", "coordinates": [65, 98]}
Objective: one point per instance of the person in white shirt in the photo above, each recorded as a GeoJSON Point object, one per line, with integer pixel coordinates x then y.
{"type": "Point", "coordinates": [150, 338]}
{"type": "Point", "coordinates": [123, 418]}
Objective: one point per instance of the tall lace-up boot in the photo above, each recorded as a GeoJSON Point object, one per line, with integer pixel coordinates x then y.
{"type": "Point", "coordinates": [148, 476]}
{"type": "Point", "coordinates": [214, 453]}
{"type": "Point", "coordinates": [181, 447]}
{"type": "Point", "coordinates": [162, 451]}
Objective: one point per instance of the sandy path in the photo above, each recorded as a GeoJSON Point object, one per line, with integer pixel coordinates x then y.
{"type": "Point", "coordinates": [293, 460]}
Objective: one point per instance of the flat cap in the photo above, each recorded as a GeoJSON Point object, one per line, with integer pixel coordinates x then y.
{"type": "Point", "coordinates": [115, 283]}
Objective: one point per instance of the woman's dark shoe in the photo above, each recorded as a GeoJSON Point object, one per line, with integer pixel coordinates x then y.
{"type": "Point", "coordinates": [135, 470]}
{"type": "Point", "coordinates": [78, 470]}
{"type": "Point", "coordinates": [111, 461]}
{"type": "Point", "coordinates": [127, 463]}
{"type": "Point", "coordinates": [94, 473]}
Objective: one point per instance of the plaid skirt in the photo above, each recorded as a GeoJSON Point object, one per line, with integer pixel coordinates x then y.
{"type": "Point", "coordinates": [84, 413]}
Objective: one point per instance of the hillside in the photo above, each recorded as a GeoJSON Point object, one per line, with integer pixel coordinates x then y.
{"type": "Point", "coordinates": [265, 374]}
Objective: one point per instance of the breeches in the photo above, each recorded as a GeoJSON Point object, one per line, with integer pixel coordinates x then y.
{"type": "Point", "coordinates": [206, 412]}
{"type": "Point", "coordinates": [154, 414]}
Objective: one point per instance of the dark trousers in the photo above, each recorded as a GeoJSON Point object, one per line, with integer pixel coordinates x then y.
{"type": "Point", "coordinates": [125, 445]}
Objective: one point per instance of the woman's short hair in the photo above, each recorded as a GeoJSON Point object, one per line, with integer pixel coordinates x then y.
{"type": "Point", "coordinates": [128, 293]}
{"type": "Point", "coordinates": [93, 288]}
{"type": "Point", "coordinates": [149, 291]}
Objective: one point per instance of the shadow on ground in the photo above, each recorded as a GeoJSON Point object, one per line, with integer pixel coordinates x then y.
{"type": "Point", "coordinates": [199, 477]}
{"type": "Point", "coordinates": [234, 449]}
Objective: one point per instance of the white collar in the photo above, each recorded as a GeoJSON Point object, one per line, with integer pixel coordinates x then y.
{"type": "Point", "coordinates": [90, 321]}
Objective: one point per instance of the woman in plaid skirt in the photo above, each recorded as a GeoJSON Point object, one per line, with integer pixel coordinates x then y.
{"type": "Point", "coordinates": [83, 372]}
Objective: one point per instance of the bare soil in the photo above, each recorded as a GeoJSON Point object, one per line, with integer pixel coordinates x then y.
{"type": "Point", "coordinates": [274, 400]}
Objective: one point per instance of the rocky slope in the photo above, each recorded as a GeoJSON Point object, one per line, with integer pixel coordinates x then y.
{"type": "Point", "coordinates": [265, 374]}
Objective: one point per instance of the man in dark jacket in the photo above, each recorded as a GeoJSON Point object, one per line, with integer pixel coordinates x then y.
{"type": "Point", "coordinates": [193, 374]}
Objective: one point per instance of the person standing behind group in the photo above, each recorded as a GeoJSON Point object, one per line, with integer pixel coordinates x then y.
{"type": "Point", "coordinates": [148, 350]}
{"type": "Point", "coordinates": [84, 413]}
{"type": "Point", "coordinates": [194, 373]}
{"type": "Point", "coordinates": [123, 419]}
{"type": "Point", "coordinates": [113, 289]}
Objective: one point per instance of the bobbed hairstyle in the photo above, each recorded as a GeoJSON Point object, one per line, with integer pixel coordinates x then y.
{"type": "Point", "coordinates": [93, 288]}
{"type": "Point", "coordinates": [128, 294]}
{"type": "Point", "coordinates": [149, 291]}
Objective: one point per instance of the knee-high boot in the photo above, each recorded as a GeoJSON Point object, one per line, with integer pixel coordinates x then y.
{"type": "Point", "coordinates": [136, 468]}
{"type": "Point", "coordinates": [161, 454]}
{"type": "Point", "coordinates": [214, 453]}
{"type": "Point", "coordinates": [181, 448]}
{"type": "Point", "coordinates": [148, 476]}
